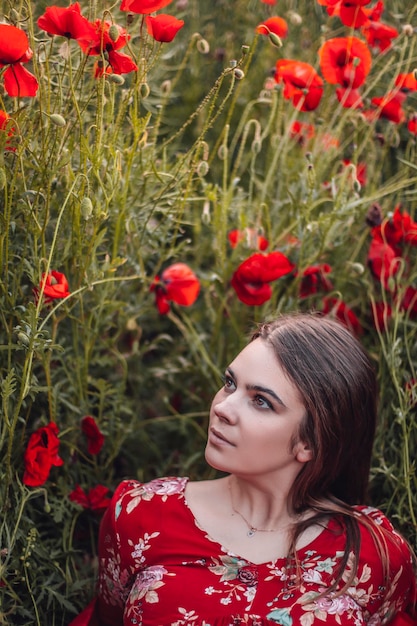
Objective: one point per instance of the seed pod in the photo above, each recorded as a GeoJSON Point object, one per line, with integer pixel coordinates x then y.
{"type": "Point", "coordinates": [238, 73]}
{"type": "Point", "coordinates": [58, 120]}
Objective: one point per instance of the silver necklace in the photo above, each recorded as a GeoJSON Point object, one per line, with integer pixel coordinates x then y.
{"type": "Point", "coordinates": [252, 530]}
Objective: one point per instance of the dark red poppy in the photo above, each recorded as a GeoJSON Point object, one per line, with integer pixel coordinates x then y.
{"type": "Point", "coordinates": [15, 50]}
{"type": "Point", "coordinates": [350, 12]}
{"type": "Point", "coordinates": [412, 124]}
{"type": "Point", "coordinates": [349, 98]}
{"type": "Point", "coordinates": [314, 279]}
{"type": "Point", "coordinates": [55, 286]}
{"type": "Point", "coordinates": [178, 284]}
{"type": "Point", "coordinates": [252, 277]}
{"type": "Point", "coordinates": [96, 499]}
{"type": "Point", "coordinates": [390, 106]}
{"type": "Point", "coordinates": [398, 230]}
{"type": "Point", "coordinates": [95, 438]}
{"type": "Point", "coordinates": [302, 84]}
{"type": "Point", "coordinates": [143, 6]}
{"type": "Point", "coordinates": [409, 301]}
{"type": "Point", "coordinates": [41, 455]}
{"type": "Point", "coordinates": [249, 235]}
{"type": "Point", "coordinates": [276, 25]}
{"type": "Point", "coordinates": [162, 27]}
{"type": "Point", "coordinates": [340, 310]}
{"type": "Point", "coordinates": [382, 260]}
{"type": "Point", "coordinates": [67, 22]}
{"type": "Point", "coordinates": [379, 35]}
{"type": "Point", "coordinates": [345, 61]}
{"type": "Point", "coordinates": [302, 132]}
{"type": "Point", "coordinates": [108, 40]}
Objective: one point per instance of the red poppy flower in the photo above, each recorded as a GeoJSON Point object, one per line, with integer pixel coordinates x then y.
{"type": "Point", "coordinates": [179, 284]}
{"type": "Point", "coordinates": [406, 82]}
{"type": "Point", "coordinates": [412, 124]}
{"type": "Point", "coordinates": [390, 106]}
{"type": "Point", "coordinates": [314, 279]}
{"type": "Point", "coordinates": [14, 50]}
{"type": "Point", "coordinates": [379, 35]}
{"type": "Point", "coordinates": [41, 455]}
{"type": "Point", "coordinates": [95, 438]}
{"type": "Point", "coordinates": [275, 24]}
{"type": "Point", "coordinates": [302, 132]}
{"type": "Point", "coordinates": [350, 12]}
{"type": "Point", "coordinates": [6, 128]}
{"type": "Point", "coordinates": [251, 236]}
{"type": "Point", "coordinates": [349, 98]}
{"type": "Point", "coordinates": [95, 499]}
{"type": "Point", "coordinates": [143, 6]}
{"type": "Point", "coordinates": [108, 39]}
{"type": "Point", "coordinates": [162, 27]}
{"type": "Point", "coordinates": [252, 277]}
{"type": "Point", "coordinates": [382, 260]}
{"type": "Point", "coordinates": [345, 61]}
{"type": "Point", "coordinates": [67, 22]}
{"type": "Point", "coordinates": [302, 84]}
{"type": "Point", "coordinates": [409, 301]}
{"type": "Point", "coordinates": [360, 171]}
{"type": "Point", "coordinates": [56, 286]}
{"type": "Point", "coordinates": [381, 313]}
{"type": "Point", "coordinates": [341, 311]}
{"type": "Point", "coordinates": [270, 2]}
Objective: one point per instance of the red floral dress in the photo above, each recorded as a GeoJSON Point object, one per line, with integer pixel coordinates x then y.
{"type": "Point", "coordinates": [159, 568]}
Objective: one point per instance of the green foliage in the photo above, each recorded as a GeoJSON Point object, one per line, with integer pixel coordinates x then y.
{"type": "Point", "coordinates": [109, 181]}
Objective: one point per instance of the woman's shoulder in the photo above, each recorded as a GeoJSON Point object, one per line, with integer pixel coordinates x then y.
{"type": "Point", "coordinates": [130, 493]}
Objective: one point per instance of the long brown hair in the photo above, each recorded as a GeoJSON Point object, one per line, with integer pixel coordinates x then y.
{"type": "Point", "coordinates": [338, 388]}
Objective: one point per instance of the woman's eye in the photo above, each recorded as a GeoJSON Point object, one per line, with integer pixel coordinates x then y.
{"type": "Point", "coordinates": [229, 383]}
{"type": "Point", "coordinates": [262, 402]}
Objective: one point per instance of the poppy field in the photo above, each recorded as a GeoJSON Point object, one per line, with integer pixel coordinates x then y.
{"type": "Point", "coordinates": [171, 173]}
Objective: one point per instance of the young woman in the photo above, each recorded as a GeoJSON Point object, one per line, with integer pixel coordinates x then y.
{"type": "Point", "coordinates": [284, 537]}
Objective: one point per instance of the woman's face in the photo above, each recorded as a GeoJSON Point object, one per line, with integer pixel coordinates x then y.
{"type": "Point", "coordinates": [254, 418]}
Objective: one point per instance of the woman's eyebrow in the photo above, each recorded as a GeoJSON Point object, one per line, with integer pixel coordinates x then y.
{"type": "Point", "coordinates": [265, 390]}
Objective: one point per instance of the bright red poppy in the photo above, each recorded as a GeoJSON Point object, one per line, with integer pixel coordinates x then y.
{"type": "Point", "coordinates": [276, 25]}
{"type": "Point", "coordinates": [379, 35]}
{"type": "Point", "coordinates": [349, 98]}
{"type": "Point", "coordinates": [390, 105]}
{"type": "Point", "coordinates": [383, 261]}
{"type": "Point", "coordinates": [109, 39]}
{"type": "Point", "coordinates": [6, 127]}
{"type": "Point", "coordinates": [95, 438]}
{"type": "Point", "coordinates": [55, 286]}
{"type": "Point", "coordinates": [345, 61]}
{"type": "Point", "coordinates": [178, 284]}
{"type": "Point", "coordinates": [399, 229]}
{"type": "Point", "coordinates": [350, 12]}
{"type": "Point", "coordinates": [249, 235]}
{"type": "Point", "coordinates": [15, 50]}
{"type": "Point", "coordinates": [270, 2]}
{"type": "Point", "coordinates": [41, 455]}
{"type": "Point", "coordinates": [314, 279]}
{"type": "Point", "coordinates": [95, 499]}
{"type": "Point", "coordinates": [67, 22]}
{"type": "Point", "coordinates": [143, 6]}
{"type": "Point", "coordinates": [162, 27]}
{"type": "Point", "coordinates": [412, 124]}
{"type": "Point", "coordinates": [338, 309]}
{"type": "Point", "coordinates": [302, 132]}
{"type": "Point", "coordinates": [252, 277]}
{"type": "Point", "coordinates": [359, 169]}
{"type": "Point", "coordinates": [302, 84]}
{"type": "Point", "coordinates": [406, 82]}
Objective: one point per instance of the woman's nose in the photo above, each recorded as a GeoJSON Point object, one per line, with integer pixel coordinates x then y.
{"type": "Point", "coordinates": [226, 410]}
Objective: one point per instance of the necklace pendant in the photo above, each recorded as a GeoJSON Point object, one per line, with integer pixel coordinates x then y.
{"type": "Point", "coordinates": [251, 532]}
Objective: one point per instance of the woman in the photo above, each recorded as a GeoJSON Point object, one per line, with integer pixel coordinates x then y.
{"type": "Point", "coordinates": [281, 538]}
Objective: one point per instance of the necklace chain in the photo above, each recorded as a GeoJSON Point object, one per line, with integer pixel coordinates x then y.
{"type": "Point", "coordinates": [252, 530]}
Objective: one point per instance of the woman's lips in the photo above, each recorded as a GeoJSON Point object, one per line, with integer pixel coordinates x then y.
{"type": "Point", "coordinates": [217, 438]}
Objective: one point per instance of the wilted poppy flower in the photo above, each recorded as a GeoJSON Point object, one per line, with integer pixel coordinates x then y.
{"type": "Point", "coordinates": [314, 279]}
{"type": "Point", "coordinates": [390, 106]}
{"type": "Point", "coordinates": [179, 284]}
{"type": "Point", "coordinates": [302, 84]}
{"type": "Point", "coordinates": [250, 235]}
{"type": "Point", "coordinates": [143, 6]}
{"type": "Point", "coordinates": [14, 50]}
{"type": "Point", "coordinates": [276, 25]}
{"type": "Point", "coordinates": [162, 27]}
{"type": "Point", "coordinates": [41, 455]}
{"type": "Point", "coordinates": [95, 499]}
{"type": "Point", "coordinates": [55, 286]}
{"type": "Point", "coordinates": [379, 35]}
{"type": "Point", "coordinates": [350, 12]}
{"type": "Point", "coordinates": [333, 307]}
{"type": "Point", "coordinates": [95, 438]}
{"type": "Point", "coordinates": [345, 61]}
{"type": "Point", "coordinates": [108, 39]}
{"type": "Point", "coordinates": [67, 22]}
{"type": "Point", "coordinates": [252, 277]}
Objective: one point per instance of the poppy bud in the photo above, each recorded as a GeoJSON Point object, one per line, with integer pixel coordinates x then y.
{"type": "Point", "coordinates": [202, 168]}
{"type": "Point", "coordinates": [238, 73]}
{"type": "Point", "coordinates": [275, 39]}
{"type": "Point", "coordinates": [408, 30]}
{"type": "Point", "coordinates": [58, 120]}
{"type": "Point", "coordinates": [114, 33]}
{"type": "Point", "coordinates": [117, 79]}
{"type": "Point", "coordinates": [233, 63]}
{"type": "Point", "coordinates": [86, 208]}
{"type": "Point", "coordinates": [144, 90]}
{"type": "Point", "coordinates": [245, 49]}
{"type": "Point", "coordinates": [203, 46]}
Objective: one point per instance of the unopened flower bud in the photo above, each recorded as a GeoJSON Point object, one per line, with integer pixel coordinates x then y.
{"type": "Point", "coordinates": [117, 79]}
{"type": "Point", "coordinates": [203, 46]}
{"type": "Point", "coordinates": [233, 63]}
{"type": "Point", "coordinates": [144, 90]}
{"type": "Point", "coordinates": [275, 39]}
{"type": "Point", "coordinates": [222, 152]}
{"type": "Point", "coordinates": [356, 185]}
{"type": "Point", "coordinates": [58, 120]}
{"type": "Point", "coordinates": [114, 33]}
{"type": "Point", "coordinates": [294, 18]}
{"type": "Point", "coordinates": [166, 87]}
{"type": "Point", "coordinates": [238, 73]}
{"type": "Point", "coordinates": [245, 49]}
{"type": "Point", "coordinates": [86, 208]}
{"type": "Point", "coordinates": [408, 30]}
{"type": "Point", "coordinates": [3, 178]}
{"type": "Point", "coordinates": [202, 168]}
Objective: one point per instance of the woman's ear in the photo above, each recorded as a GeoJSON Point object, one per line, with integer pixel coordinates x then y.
{"type": "Point", "coordinates": [303, 453]}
